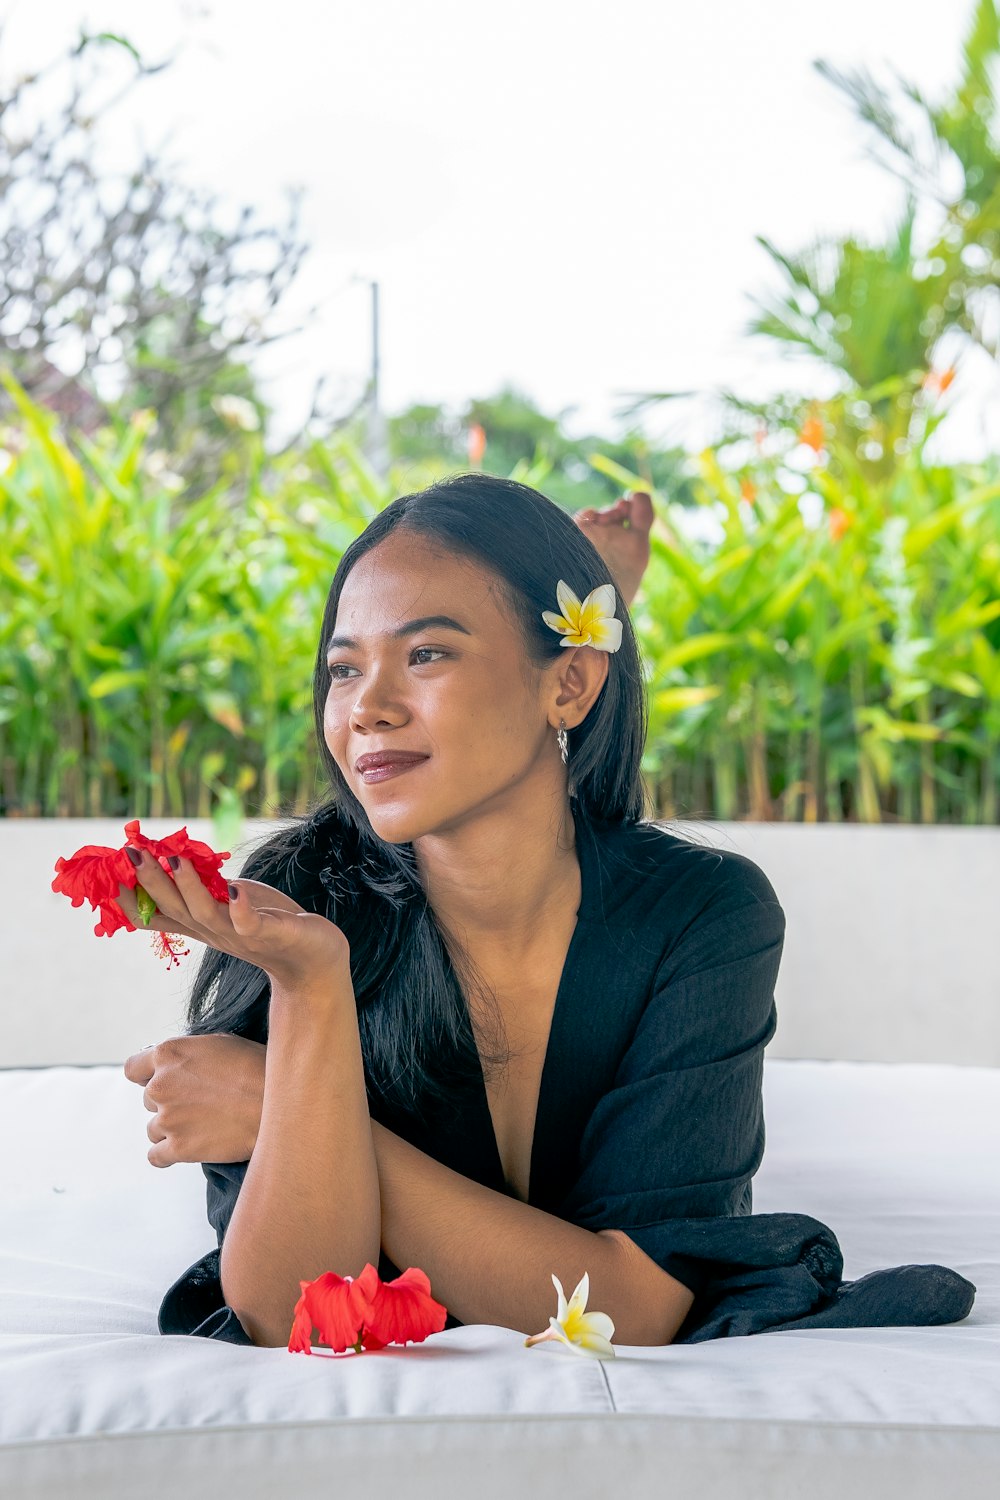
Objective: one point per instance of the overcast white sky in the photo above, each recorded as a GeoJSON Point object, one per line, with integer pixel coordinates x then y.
{"type": "Point", "coordinates": [557, 193]}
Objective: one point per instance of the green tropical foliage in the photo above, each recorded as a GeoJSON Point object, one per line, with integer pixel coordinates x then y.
{"type": "Point", "coordinates": [876, 314]}
{"type": "Point", "coordinates": [823, 646]}
{"type": "Point", "coordinates": [156, 655]}
{"type": "Point", "coordinates": [427, 440]}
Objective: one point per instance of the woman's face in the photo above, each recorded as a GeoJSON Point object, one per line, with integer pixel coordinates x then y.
{"type": "Point", "coordinates": [457, 696]}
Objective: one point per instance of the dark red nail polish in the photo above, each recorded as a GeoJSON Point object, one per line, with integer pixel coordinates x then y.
{"type": "Point", "coordinates": [135, 855]}
{"type": "Point", "coordinates": [173, 860]}
{"type": "Point", "coordinates": [234, 891]}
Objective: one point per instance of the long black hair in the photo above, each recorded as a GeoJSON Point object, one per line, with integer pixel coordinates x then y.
{"type": "Point", "coordinates": [405, 966]}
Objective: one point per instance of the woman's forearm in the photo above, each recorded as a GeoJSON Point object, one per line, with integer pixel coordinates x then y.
{"type": "Point", "coordinates": [310, 1198]}
{"type": "Point", "coordinates": [490, 1256]}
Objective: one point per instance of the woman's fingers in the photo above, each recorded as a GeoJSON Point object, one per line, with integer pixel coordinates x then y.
{"type": "Point", "coordinates": [243, 910]}
{"type": "Point", "coordinates": [126, 899]}
{"type": "Point", "coordinates": [260, 924]}
{"type": "Point", "coordinates": [156, 883]}
{"type": "Point", "coordinates": [198, 901]}
{"type": "Point", "coordinates": [140, 1067]}
{"type": "Point", "coordinates": [265, 897]}
{"type": "Point", "coordinates": [254, 907]}
{"type": "Point", "coordinates": [184, 904]}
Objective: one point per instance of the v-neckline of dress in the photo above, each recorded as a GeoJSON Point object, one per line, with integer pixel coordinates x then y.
{"type": "Point", "coordinates": [478, 1121]}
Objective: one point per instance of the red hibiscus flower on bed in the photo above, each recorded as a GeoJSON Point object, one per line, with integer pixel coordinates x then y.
{"type": "Point", "coordinates": [95, 872]}
{"type": "Point", "coordinates": [364, 1312]}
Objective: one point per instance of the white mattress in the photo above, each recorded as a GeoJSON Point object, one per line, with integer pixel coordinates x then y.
{"type": "Point", "coordinates": [901, 1160]}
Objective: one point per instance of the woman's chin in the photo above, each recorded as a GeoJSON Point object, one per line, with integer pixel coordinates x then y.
{"type": "Point", "coordinates": [393, 820]}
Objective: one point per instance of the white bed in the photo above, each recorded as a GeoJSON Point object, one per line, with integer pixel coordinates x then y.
{"type": "Point", "coordinates": [901, 1160]}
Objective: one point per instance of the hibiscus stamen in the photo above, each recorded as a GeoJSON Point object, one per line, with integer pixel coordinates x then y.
{"type": "Point", "coordinates": [168, 945]}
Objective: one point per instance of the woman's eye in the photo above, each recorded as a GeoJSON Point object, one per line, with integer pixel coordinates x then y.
{"type": "Point", "coordinates": [335, 672]}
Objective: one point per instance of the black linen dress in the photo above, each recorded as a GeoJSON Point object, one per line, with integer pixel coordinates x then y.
{"type": "Point", "coordinates": [650, 1112]}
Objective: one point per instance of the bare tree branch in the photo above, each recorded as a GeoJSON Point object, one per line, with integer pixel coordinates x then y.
{"type": "Point", "coordinates": [134, 279]}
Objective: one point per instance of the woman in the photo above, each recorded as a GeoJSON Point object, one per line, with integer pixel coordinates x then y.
{"type": "Point", "coordinates": [512, 1029]}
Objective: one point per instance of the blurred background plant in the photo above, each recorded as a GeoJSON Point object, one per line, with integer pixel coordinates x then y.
{"type": "Point", "coordinates": [137, 280]}
{"type": "Point", "coordinates": [820, 620]}
{"type": "Point", "coordinates": [157, 652]}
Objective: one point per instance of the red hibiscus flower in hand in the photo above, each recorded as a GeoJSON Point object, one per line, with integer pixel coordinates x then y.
{"type": "Point", "coordinates": [206, 862]}
{"type": "Point", "coordinates": [173, 886]}
{"type": "Point", "coordinates": [365, 1312]}
{"type": "Point", "coordinates": [95, 873]}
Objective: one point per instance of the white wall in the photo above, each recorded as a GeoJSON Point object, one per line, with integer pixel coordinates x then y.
{"type": "Point", "coordinates": [892, 943]}
{"type": "Point", "coordinates": [892, 949]}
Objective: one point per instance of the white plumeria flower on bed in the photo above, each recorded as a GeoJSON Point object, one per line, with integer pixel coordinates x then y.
{"type": "Point", "coordinates": [582, 1332]}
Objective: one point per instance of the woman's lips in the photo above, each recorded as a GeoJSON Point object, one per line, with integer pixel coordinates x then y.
{"type": "Point", "coordinates": [383, 773]}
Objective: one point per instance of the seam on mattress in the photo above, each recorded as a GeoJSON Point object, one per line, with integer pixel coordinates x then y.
{"type": "Point", "coordinates": [607, 1386]}
{"type": "Point", "coordinates": [531, 1418]}
{"type": "Point", "coordinates": [44, 1067]}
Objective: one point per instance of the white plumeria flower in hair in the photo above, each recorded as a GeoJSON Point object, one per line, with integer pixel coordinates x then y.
{"type": "Point", "coordinates": [582, 1332]}
{"type": "Point", "coordinates": [591, 623]}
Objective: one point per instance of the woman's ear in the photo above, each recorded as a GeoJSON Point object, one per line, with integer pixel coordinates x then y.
{"type": "Point", "coordinates": [580, 681]}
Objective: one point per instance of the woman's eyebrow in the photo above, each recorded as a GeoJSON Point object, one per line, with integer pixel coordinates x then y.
{"type": "Point", "coordinates": [444, 622]}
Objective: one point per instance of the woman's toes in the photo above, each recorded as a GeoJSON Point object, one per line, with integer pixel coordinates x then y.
{"type": "Point", "coordinates": [641, 509]}
{"type": "Point", "coordinates": [636, 508]}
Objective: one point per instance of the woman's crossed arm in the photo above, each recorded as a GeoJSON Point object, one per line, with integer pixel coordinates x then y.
{"type": "Point", "coordinates": [489, 1257]}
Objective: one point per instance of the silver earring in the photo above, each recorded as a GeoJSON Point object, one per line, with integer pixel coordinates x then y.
{"type": "Point", "coordinates": [563, 739]}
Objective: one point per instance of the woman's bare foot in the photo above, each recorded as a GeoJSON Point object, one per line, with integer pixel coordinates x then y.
{"type": "Point", "coordinates": [620, 532]}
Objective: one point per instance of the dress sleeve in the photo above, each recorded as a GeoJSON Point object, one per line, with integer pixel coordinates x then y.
{"type": "Point", "coordinates": [194, 1303]}
{"type": "Point", "coordinates": [668, 1155]}
{"type": "Point", "coordinates": [669, 1152]}
{"type": "Point", "coordinates": [682, 1129]}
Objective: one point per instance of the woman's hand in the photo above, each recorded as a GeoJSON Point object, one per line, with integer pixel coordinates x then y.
{"type": "Point", "coordinates": [620, 532]}
{"type": "Point", "coordinates": [297, 949]}
{"type": "Point", "coordinates": [205, 1094]}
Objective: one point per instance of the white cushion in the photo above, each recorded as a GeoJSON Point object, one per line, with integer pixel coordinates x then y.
{"type": "Point", "coordinates": [901, 1160]}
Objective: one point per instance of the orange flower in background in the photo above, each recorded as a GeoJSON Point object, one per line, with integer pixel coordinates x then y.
{"type": "Point", "coordinates": [938, 381]}
{"type": "Point", "coordinates": [812, 433]}
{"type": "Point", "coordinates": [477, 443]}
{"type": "Point", "coordinates": [840, 520]}
{"type": "Point", "coordinates": [748, 491]}
{"type": "Point", "coordinates": [760, 436]}
{"type": "Point", "coordinates": [365, 1312]}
